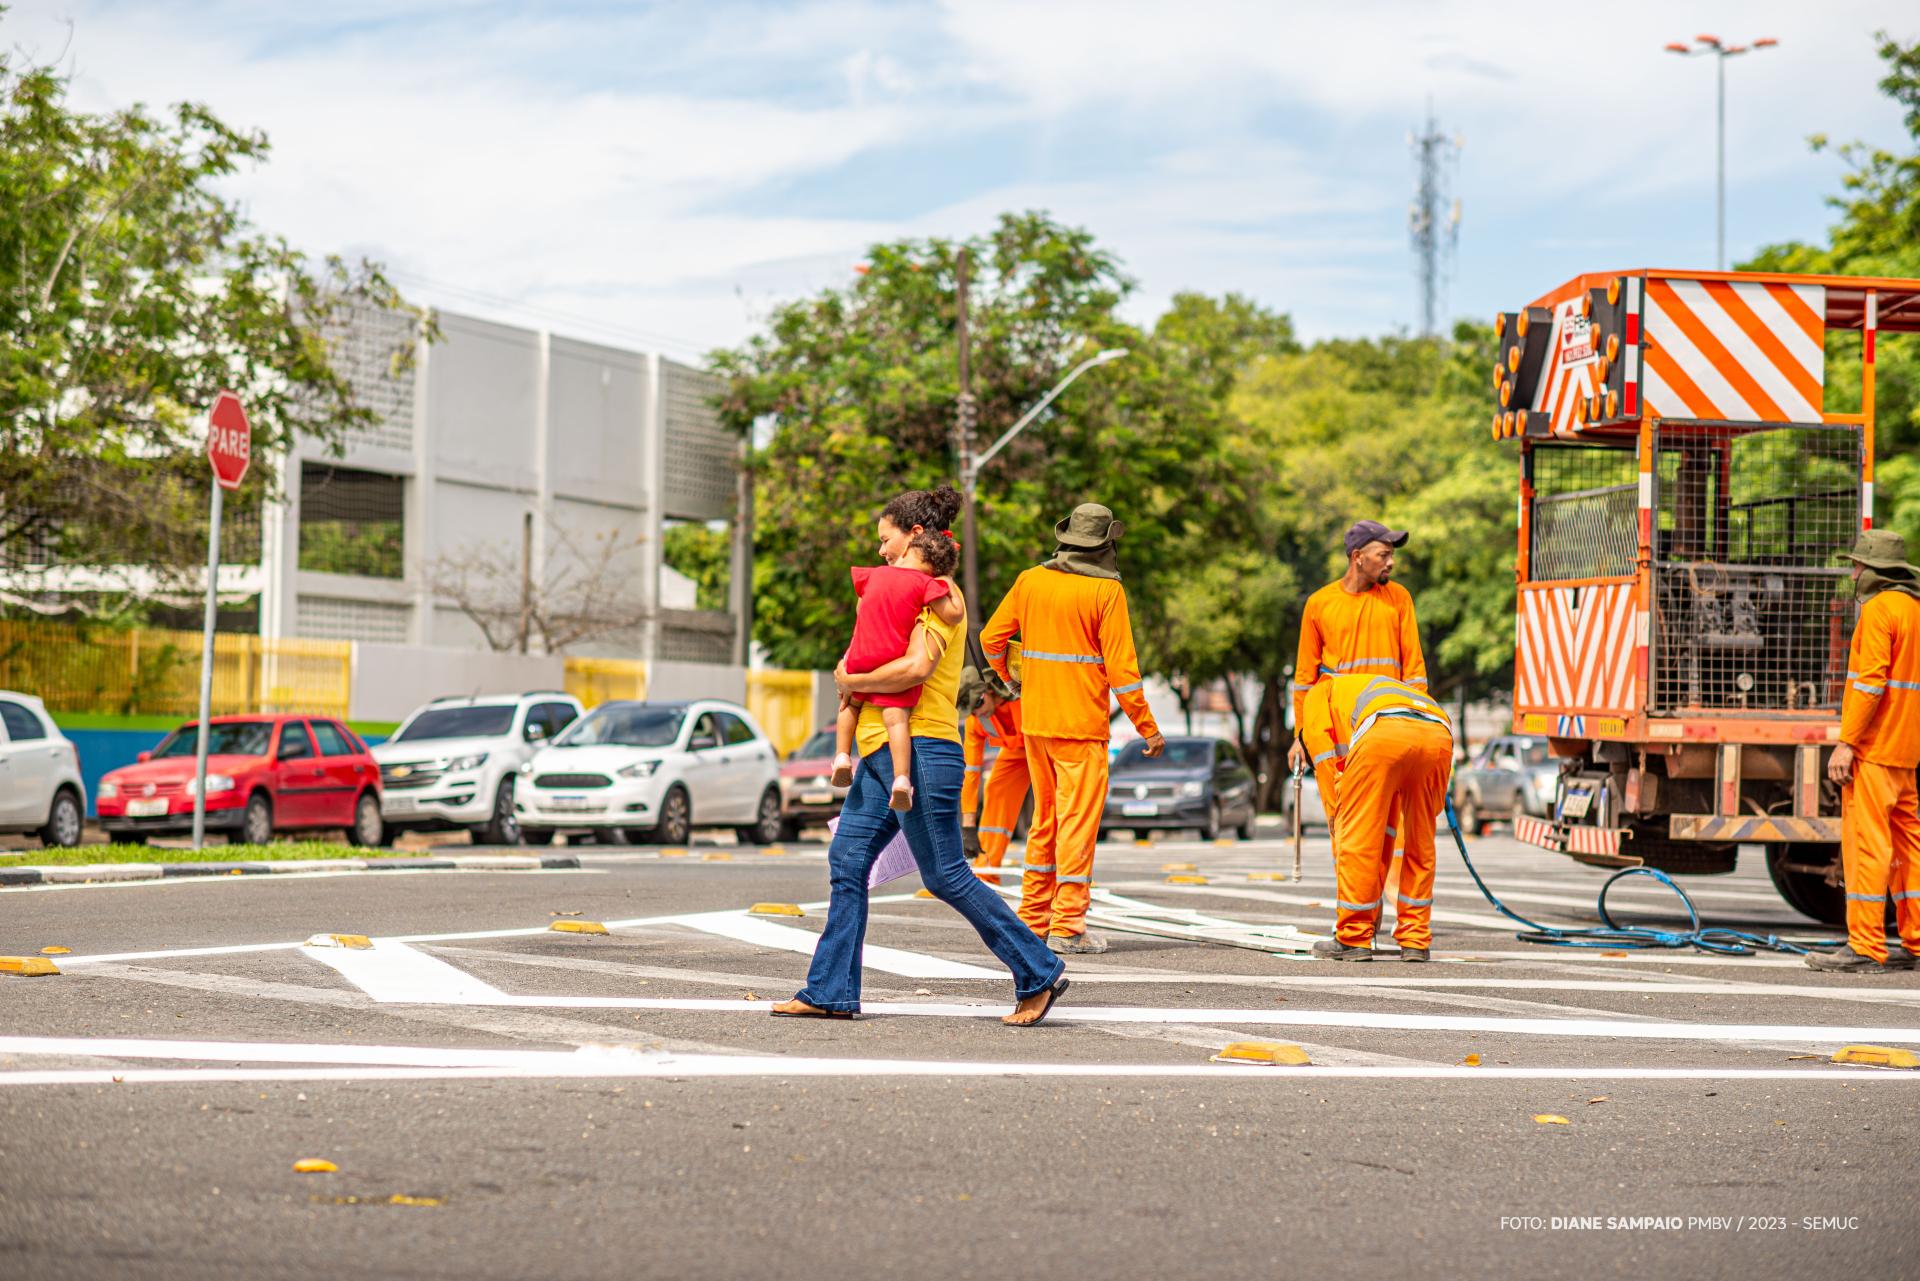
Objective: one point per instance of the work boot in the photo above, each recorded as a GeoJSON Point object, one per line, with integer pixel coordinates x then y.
{"type": "Point", "coordinates": [1845, 961]}
{"type": "Point", "coordinates": [1335, 950]}
{"type": "Point", "coordinates": [1414, 954]}
{"type": "Point", "coordinates": [1899, 958]}
{"type": "Point", "coordinates": [1076, 944]}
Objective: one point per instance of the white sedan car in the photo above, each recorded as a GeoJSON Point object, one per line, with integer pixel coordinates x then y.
{"type": "Point", "coordinates": [628, 772]}
{"type": "Point", "coordinates": [41, 790]}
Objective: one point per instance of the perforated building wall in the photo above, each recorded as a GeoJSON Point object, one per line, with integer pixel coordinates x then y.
{"type": "Point", "coordinates": [701, 471]}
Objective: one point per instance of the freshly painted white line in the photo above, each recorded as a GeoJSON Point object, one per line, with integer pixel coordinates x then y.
{"type": "Point", "coordinates": [362, 1063]}
{"type": "Point", "coordinates": [788, 938]}
{"type": "Point", "coordinates": [394, 972]}
{"type": "Point", "coordinates": [277, 878]}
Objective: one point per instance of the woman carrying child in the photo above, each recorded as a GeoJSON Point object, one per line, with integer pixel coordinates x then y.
{"type": "Point", "coordinates": [932, 660]}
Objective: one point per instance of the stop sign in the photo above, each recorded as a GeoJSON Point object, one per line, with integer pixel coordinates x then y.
{"type": "Point", "coordinates": [229, 440]}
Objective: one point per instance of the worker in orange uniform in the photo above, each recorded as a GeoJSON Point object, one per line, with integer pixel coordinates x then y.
{"type": "Point", "coordinates": [992, 721]}
{"type": "Point", "coordinates": [1874, 764]}
{"type": "Point", "coordinates": [1070, 613]}
{"type": "Point", "coordinates": [1362, 623]}
{"type": "Point", "coordinates": [1380, 748]}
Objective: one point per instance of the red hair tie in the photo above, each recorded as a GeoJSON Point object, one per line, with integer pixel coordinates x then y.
{"type": "Point", "coordinates": [949, 534]}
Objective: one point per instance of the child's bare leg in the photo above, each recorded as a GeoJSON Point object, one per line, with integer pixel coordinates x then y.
{"type": "Point", "coordinates": [843, 727]}
{"type": "Point", "coordinates": [900, 747]}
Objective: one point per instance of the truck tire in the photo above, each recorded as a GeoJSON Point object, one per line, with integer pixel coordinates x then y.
{"type": "Point", "coordinates": [1805, 892]}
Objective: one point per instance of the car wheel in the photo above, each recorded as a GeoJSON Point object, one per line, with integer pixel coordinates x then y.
{"type": "Point", "coordinates": [612, 836]}
{"type": "Point", "coordinates": [63, 822]}
{"type": "Point", "coordinates": [1245, 830]}
{"type": "Point", "coordinates": [256, 828]}
{"type": "Point", "coordinates": [790, 829]}
{"type": "Point", "coordinates": [537, 836]}
{"type": "Point", "coordinates": [766, 830]}
{"type": "Point", "coordinates": [504, 827]}
{"type": "Point", "coordinates": [1211, 832]}
{"type": "Point", "coordinates": [1468, 812]}
{"type": "Point", "coordinates": [1106, 834]}
{"type": "Point", "coordinates": [676, 818]}
{"type": "Point", "coordinates": [368, 827]}
{"type": "Point", "coordinates": [1518, 812]}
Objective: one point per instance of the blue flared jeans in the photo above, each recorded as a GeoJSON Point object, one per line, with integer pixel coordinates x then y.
{"type": "Point", "coordinates": [933, 832]}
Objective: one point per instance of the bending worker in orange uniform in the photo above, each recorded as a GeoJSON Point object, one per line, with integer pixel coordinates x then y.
{"type": "Point", "coordinates": [1362, 624]}
{"type": "Point", "coordinates": [993, 721]}
{"type": "Point", "coordinates": [1077, 649]}
{"type": "Point", "coordinates": [1380, 748]}
{"type": "Point", "coordinates": [1874, 764]}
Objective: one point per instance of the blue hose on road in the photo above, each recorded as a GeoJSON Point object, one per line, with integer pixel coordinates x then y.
{"type": "Point", "coordinates": [1614, 935]}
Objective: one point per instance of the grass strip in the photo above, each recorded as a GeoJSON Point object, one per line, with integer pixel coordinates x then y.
{"type": "Point", "coordinates": [279, 851]}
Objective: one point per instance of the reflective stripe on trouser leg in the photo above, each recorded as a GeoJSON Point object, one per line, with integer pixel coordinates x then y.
{"type": "Point", "coordinates": [1426, 762]}
{"type": "Point", "coordinates": [1080, 799]}
{"type": "Point", "coordinates": [1361, 853]}
{"type": "Point", "coordinates": [1036, 886]}
{"type": "Point", "coordinates": [1866, 851]}
{"type": "Point", "coordinates": [1000, 809]}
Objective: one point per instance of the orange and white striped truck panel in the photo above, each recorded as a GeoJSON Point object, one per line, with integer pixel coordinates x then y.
{"type": "Point", "coordinates": [1576, 649]}
{"type": "Point", "coordinates": [1740, 351]}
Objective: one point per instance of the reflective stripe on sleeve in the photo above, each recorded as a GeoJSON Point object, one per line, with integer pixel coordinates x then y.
{"type": "Point", "coordinates": [1324, 755]}
{"type": "Point", "coordinates": [1128, 689]}
{"type": "Point", "coordinates": [1416, 680]}
{"type": "Point", "coordinates": [1302, 688]}
{"type": "Point", "coordinates": [973, 769]}
{"type": "Point", "coordinates": [1903, 684]}
{"type": "Point", "coordinates": [995, 653]}
{"type": "Point", "coordinates": [1351, 664]}
{"type": "Point", "coordinates": [1045, 657]}
{"type": "Point", "coordinates": [1868, 690]}
{"type": "Point", "coordinates": [998, 831]}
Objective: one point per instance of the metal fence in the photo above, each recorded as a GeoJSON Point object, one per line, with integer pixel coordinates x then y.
{"type": "Point", "coordinates": [1585, 513]}
{"type": "Point", "coordinates": [150, 672]}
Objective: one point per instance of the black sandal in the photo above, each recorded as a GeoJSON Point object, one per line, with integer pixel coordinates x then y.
{"type": "Point", "coordinates": [1054, 993]}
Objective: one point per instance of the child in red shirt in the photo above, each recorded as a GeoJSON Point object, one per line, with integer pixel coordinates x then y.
{"type": "Point", "coordinates": [892, 598]}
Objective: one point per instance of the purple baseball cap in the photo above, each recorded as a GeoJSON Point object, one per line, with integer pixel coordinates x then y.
{"type": "Point", "coordinates": [1372, 531]}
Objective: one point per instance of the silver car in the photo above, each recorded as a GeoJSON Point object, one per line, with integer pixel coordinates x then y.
{"type": "Point", "coordinates": [1514, 775]}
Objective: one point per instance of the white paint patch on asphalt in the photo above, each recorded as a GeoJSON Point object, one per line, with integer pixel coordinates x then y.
{"type": "Point", "coordinates": [396, 973]}
{"type": "Point", "coordinates": [787, 938]}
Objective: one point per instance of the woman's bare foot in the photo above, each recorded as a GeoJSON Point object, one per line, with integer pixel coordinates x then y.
{"type": "Point", "coordinates": [902, 798]}
{"type": "Point", "coordinates": [842, 775]}
{"type": "Point", "coordinates": [799, 1009]}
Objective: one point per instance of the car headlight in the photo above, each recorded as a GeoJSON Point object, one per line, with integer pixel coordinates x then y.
{"type": "Point", "coordinates": [474, 761]}
{"type": "Point", "coordinates": [1543, 784]}
{"type": "Point", "coordinates": [639, 769]}
{"type": "Point", "coordinates": [216, 783]}
{"type": "Point", "coordinates": [1193, 788]}
{"type": "Point", "coordinates": [108, 790]}
{"type": "Point", "coordinates": [526, 767]}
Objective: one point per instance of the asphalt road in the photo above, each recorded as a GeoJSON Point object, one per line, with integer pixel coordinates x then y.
{"type": "Point", "coordinates": [557, 1105]}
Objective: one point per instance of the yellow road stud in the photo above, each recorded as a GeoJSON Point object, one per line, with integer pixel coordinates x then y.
{"type": "Point", "coordinates": [776, 909]}
{"type": "Point", "coordinates": [1179, 867]}
{"type": "Point", "coordinates": [1186, 880]}
{"type": "Point", "coordinates": [774, 851]}
{"type": "Point", "coordinates": [314, 1165]}
{"type": "Point", "coordinates": [673, 853]}
{"type": "Point", "coordinates": [1878, 1056]}
{"type": "Point", "coordinates": [1224, 841]}
{"type": "Point", "coordinates": [55, 950]}
{"type": "Point", "coordinates": [1266, 876]}
{"type": "Point", "coordinates": [27, 966]}
{"type": "Point", "coordinates": [577, 927]}
{"type": "Point", "coordinates": [1282, 1053]}
{"type": "Point", "coordinates": [359, 941]}
{"type": "Point", "coordinates": [718, 856]}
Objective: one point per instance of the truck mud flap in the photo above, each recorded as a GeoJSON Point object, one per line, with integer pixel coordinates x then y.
{"type": "Point", "coordinates": [1599, 846]}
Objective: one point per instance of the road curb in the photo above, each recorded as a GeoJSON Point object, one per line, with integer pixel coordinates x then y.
{"type": "Point", "coordinates": [100, 872]}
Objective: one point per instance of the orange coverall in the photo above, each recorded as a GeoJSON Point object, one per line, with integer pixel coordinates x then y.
{"type": "Point", "coordinates": [1370, 633]}
{"type": "Point", "coordinates": [1879, 818]}
{"type": "Point", "coordinates": [1006, 783]}
{"type": "Point", "coordinates": [1380, 748]}
{"type": "Point", "coordinates": [1076, 649]}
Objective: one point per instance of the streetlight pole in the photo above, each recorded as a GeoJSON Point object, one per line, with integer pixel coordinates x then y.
{"type": "Point", "coordinates": [1721, 51]}
{"type": "Point", "coordinates": [971, 464]}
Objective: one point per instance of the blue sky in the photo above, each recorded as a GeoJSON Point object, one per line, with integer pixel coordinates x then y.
{"type": "Point", "coordinates": [662, 175]}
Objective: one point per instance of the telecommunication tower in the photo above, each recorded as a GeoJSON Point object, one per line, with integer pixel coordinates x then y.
{"type": "Point", "coordinates": [1435, 234]}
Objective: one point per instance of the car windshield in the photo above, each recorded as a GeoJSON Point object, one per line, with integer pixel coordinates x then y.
{"type": "Point", "coordinates": [241, 738]}
{"type": "Point", "coordinates": [458, 722]}
{"type": "Point", "coordinates": [1188, 755]}
{"type": "Point", "coordinates": [1535, 754]}
{"type": "Point", "coordinates": [817, 748]}
{"type": "Point", "coordinates": [625, 727]}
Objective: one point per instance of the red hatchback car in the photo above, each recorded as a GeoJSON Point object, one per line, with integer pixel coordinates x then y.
{"type": "Point", "coordinates": [265, 774]}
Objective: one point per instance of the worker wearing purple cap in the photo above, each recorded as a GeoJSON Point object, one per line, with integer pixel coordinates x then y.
{"type": "Point", "coordinates": [1362, 624]}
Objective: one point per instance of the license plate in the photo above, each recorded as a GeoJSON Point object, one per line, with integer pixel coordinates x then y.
{"type": "Point", "coordinates": [816, 798]}
{"type": "Point", "coordinates": [146, 809]}
{"type": "Point", "coordinates": [401, 804]}
{"type": "Point", "coordinates": [1139, 809]}
{"type": "Point", "coordinates": [579, 804]}
{"type": "Point", "coordinates": [1577, 804]}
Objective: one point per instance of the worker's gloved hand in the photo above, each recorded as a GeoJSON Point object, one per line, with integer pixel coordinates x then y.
{"type": "Point", "coordinates": [970, 842]}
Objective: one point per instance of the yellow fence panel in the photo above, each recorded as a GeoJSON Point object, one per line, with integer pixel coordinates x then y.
{"type": "Point", "coordinates": [599, 680]}
{"type": "Point", "coordinates": [783, 704]}
{"type": "Point", "coordinates": [149, 672]}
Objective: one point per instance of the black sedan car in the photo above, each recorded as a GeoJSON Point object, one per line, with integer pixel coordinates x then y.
{"type": "Point", "coordinates": [1197, 783]}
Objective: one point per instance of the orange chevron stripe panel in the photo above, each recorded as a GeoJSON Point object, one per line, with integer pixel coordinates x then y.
{"type": "Point", "coordinates": [1575, 649]}
{"type": "Point", "coordinates": [1742, 351]}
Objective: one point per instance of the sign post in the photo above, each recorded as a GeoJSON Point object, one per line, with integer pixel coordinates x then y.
{"type": "Point", "coordinates": [229, 449]}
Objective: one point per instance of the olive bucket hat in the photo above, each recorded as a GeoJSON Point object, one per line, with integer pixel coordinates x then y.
{"type": "Point", "coordinates": [1091, 525]}
{"type": "Point", "coordinates": [1880, 549]}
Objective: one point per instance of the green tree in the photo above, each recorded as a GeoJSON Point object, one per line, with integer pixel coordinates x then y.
{"type": "Point", "coordinates": [1876, 233]}
{"type": "Point", "coordinates": [703, 554]}
{"type": "Point", "coordinates": [134, 291]}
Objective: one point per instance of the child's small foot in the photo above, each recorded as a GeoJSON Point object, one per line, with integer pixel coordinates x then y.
{"type": "Point", "coordinates": [902, 798]}
{"type": "Point", "coordinates": [842, 775]}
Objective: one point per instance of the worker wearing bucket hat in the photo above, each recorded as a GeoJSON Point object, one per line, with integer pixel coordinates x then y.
{"type": "Point", "coordinates": [1874, 763]}
{"type": "Point", "coordinates": [993, 720]}
{"type": "Point", "coordinates": [1070, 613]}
